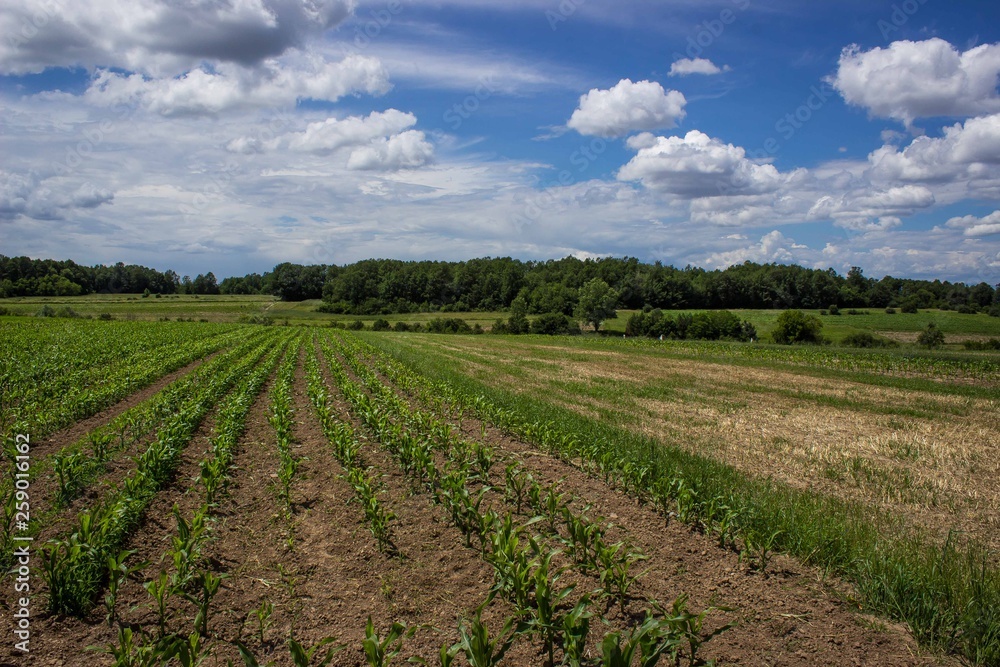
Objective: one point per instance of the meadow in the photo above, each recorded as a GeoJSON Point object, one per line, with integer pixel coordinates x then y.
{"type": "Point", "coordinates": [213, 491]}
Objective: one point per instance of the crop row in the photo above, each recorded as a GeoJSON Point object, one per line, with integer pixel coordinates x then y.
{"type": "Point", "coordinates": [75, 567]}
{"type": "Point", "coordinates": [948, 594]}
{"type": "Point", "coordinates": [525, 569]}
{"type": "Point", "coordinates": [78, 464]}
{"type": "Point", "coordinates": [187, 575]}
{"type": "Point", "coordinates": [67, 381]}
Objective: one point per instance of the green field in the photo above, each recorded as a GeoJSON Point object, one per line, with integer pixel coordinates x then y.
{"type": "Point", "coordinates": [901, 327]}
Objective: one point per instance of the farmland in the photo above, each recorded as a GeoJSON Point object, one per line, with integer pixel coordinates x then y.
{"type": "Point", "coordinates": [210, 490]}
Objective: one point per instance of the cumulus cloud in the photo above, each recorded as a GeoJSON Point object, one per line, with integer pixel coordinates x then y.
{"type": "Point", "coordinates": [967, 151]}
{"type": "Point", "coordinates": [973, 226]}
{"type": "Point", "coordinates": [871, 209]}
{"type": "Point", "coordinates": [686, 66]}
{"type": "Point", "coordinates": [227, 87]}
{"type": "Point", "coordinates": [773, 247]}
{"type": "Point", "coordinates": [332, 134]}
{"type": "Point", "coordinates": [697, 165]}
{"type": "Point", "coordinates": [380, 141]}
{"type": "Point", "coordinates": [35, 196]}
{"type": "Point", "coordinates": [406, 150]}
{"type": "Point", "coordinates": [627, 107]}
{"type": "Point", "coordinates": [910, 80]}
{"type": "Point", "coordinates": [157, 36]}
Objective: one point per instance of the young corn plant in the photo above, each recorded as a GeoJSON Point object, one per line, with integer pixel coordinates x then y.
{"type": "Point", "coordinates": [688, 627]}
{"type": "Point", "coordinates": [615, 563]}
{"type": "Point", "coordinates": [515, 484]}
{"type": "Point", "coordinates": [479, 647]}
{"type": "Point", "coordinates": [544, 620]}
{"type": "Point", "coordinates": [574, 631]}
{"type": "Point", "coordinates": [207, 587]}
{"type": "Point", "coordinates": [118, 572]}
{"type": "Point", "coordinates": [379, 651]}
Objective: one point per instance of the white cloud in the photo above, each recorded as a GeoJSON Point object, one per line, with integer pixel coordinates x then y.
{"type": "Point", "coordinates": [869, 210]}
{"type": "Point", "coordinates": [272, 83]}
{"type": "Point", "coordinates": [973, 226]}
{"type": "Point", "coordinates": [686, 66]}
{"type": "Point", "coordinates": [46, 198]}
{"type": "Point", "coordinates": [332, 134]}
{"type": "Point", "coordinates": [697, 165]}
{"type": "Point", "coordinates": [910, 80]}
{"type": "Point", "coordinates": [773, 247]}
{"type": "Point", "coordinates": [406, 150]}
{"type": "Point", "coordinates": [157, 37]}
{"type": "Point", "coordinates": [968, 153]}
{"type": "Point", "coordinates": [627, 107]}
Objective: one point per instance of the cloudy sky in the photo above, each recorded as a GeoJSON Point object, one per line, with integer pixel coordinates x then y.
{"type": "Point", "coordinates": [230, 135]}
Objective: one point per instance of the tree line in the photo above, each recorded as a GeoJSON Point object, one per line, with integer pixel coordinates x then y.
{"type": "Point", "coordinates": [387, 286]}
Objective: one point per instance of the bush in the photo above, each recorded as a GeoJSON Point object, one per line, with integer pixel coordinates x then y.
{"type": "Point", "coordinates": [451, 325]}
{"type": "Point", "coordinates": [794, 326]}
{"type": "Point", "coordinates": [909, 307]}
{"type": "Point", "coordinates": [994, 310]}
{"type": "Point", "coordinates": [854, 311]}
{"type": "Point", "coordinates": [890, 311]}
{"type": "Point", "coordinates": [966, 309]}
{"type": "Point", "coordinates": [931, 337]}
{"type": "Point", "coordinates": [46, 311]}
{"type": "Point", "coordinates": [105, 316]}
{"type": "Point", "coordinates": [381, 324]}
{"type": "Point", "coordinates": [867, 340]}
{"type": "Point", "coordinates": [993, 344]}
{"type": "Point", "coordinates": [554, 324]}
{"type": "Point", "coordinates": [834, 309]}
{"type": "Point", "coordinates": [401, 326]}
{"type": "Point", "coordinates": [477, 329]}
{"type": "Point", "coordinates": [4, 310]}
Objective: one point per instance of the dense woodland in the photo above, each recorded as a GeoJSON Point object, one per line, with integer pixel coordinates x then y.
{"type": "Point", "coordinates": [382, 286]}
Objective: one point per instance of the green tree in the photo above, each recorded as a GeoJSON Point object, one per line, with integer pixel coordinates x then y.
{"type": "Point", "coordinates": [794, 326]}
{"type": "Point", "coordinates": [931, 337]}
{"type": "Point", "coordinates": [596, 303]}
{"type": "Point", "coordinates": [517, 323]}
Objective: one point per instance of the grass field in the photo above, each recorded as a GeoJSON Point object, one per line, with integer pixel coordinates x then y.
{"type": "Point", "coordinates": [237, 488]}
{"type": "Point", "coordinates": [901, 327]}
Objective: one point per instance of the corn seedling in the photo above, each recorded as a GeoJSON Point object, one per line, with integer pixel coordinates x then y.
{"type": "Point", "coordinates": [548, 596]}
{"type": "Point", "coordinates": [575, 628]}
{"type": "Point", "coordinates": [688, 626]}
{"type": "Point", "coordinates": [481, 649]}
{"type": "Point", "coordinates": [118, 572]}
{"type": "Point", "coordinates": [303, 657]}
{"type": "Point", "coordinates": [379, 651]}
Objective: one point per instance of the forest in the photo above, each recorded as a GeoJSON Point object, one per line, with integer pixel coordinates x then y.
{"type": "Point", "coordinates": [386, 286]}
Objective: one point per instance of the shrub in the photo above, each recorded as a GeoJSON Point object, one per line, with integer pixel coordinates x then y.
{"type": "Point", "coordinates": [993, 344]}
{"type": "Point", "coordinates": [908, 307]}
{"type": "Point", "coordinates": [994, 310]}
{"type": "Point", "coordinates": [381, 324]}
{"type": "Point", "coordinates": [356, 325]}
{"type": "Point", "coordinates": [867, 340]}
{"type": "Point", "coordinates": [966, 309]}
{"type": "Point", "coordinates": [854, 311]}
{"type": "Point", "coordinates": [834, 309]}
{"type": "Point", "coordinates": [46, 311]}
{"type": "Point", "coordinates": [451, 325]}
{"type": "Point", "coordinates": [794, 326]}
{"type": "Point", "coordinates": [931, 337]}
{"type": "Point", "coordinates": [554, 324]}
{"type": "Point", "coordinates": [4, 310]}
{"type": "Point", "coordinates": [105, 316]}
{"type": "Point", "coordinates": [477, 329]}
{"type": "Point", "coordinates": [401, 326]}
{"type": "Point", "coordinates": [890, 311]}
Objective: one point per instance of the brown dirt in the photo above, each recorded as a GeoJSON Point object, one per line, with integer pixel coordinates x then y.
{"type": "Point", "coordinates": [333, 577]}
{"type": "Point", "coordinates": [790, 615]}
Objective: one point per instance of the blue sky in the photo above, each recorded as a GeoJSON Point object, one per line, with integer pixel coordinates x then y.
{"type": "Point", "coordinates": [230, 135]}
